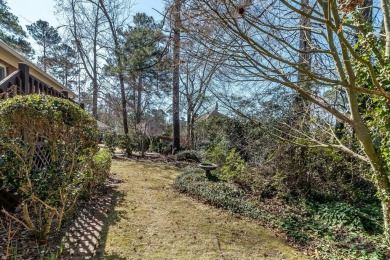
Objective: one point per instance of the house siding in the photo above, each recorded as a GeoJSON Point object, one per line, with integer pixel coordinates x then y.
{"type": "Point", "coordinates": [9, 67]}
{"type": "Point", "coordinates": [11, 59]}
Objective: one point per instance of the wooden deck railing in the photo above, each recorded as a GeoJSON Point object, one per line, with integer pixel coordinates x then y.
{"type": "Point", "coordinates": [21, 82]}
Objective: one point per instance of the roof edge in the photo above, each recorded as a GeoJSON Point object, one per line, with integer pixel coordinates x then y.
{"type": "Point", "coordinates": [31, 64]}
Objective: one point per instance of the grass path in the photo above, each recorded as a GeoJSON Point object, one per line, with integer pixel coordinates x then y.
{"type": "Point", "coordinates": [151, 220]}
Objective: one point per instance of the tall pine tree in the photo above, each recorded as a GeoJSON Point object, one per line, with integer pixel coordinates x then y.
{"type": "Point", "coordinates": [47, 37]}
{"type": "Point", "coordinates": [11, 32]}
{"type": "Point", "coordinates": [63, 64]}
{"type": "Point", "coordinates": [143, 54]}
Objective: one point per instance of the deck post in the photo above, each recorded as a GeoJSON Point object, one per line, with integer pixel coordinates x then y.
{"type": "Point", "coordinates": [25, 74]}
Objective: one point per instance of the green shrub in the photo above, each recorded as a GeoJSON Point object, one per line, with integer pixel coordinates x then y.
{"type": "Point", "coordinates": [347, 217]}
{"type": "Point", "coordinates": [126, 143]}
{"type": "Point", "coordinates": [188, 155]}
{"type": "Point", "coordinates": [142, 142]}
{"type": "Point", "coordinates": [111, 140]}
{"type": "Point", "coordinates": [166, 148]}
{"type": "Point", "coordinates": [232, 165]}
{"type": "Point", "coordinates": [323, 175]}
{"type": "Point", "coordinates": [34, 127]}
{"type": "Point", "coordinates": [216, 154]}
{"type": "Point", "coordinates": [234, 168]}
{"type": "Point", "coordinates": [160, 146]}
{"type": "Point", "coordinates": [233, 133]}
{"type": "Point", "coordinates": [100, 169]}
{"type": "Point", "coordinates": [334, 230]}
{"type": "Point", "coordinates": [220, 194]}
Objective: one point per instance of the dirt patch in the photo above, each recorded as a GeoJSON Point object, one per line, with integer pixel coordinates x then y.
{"type": "Point", "coordinates": [153, 221]}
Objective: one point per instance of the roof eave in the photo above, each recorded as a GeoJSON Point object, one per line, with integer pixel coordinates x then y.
{"type": "Point", "coordinates": [29, 63]}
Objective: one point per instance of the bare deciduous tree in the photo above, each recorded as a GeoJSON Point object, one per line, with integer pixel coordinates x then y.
{"type": "Point", "coordinates": [116, 13]}
{"type": "Point", "coordinates": [262, 41]}
{"type": "Point", "coordinates": [85, 22]}
{"type": "Point", "coordinates": [197, 76]}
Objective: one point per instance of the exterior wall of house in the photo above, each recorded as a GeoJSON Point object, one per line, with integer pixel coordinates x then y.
{"type": "Point", "coordinates": [11, 60]}
{"type": "Point", "coordinates": [9, 67]}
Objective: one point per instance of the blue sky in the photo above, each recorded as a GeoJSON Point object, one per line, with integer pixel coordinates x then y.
{"type": "Point", "coordinates": [29, 11]}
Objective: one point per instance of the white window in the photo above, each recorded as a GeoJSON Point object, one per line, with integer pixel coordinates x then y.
{"type": "Point", "coordinates": [3, 71]}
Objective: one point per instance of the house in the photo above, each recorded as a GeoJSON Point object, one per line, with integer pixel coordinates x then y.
{"type": "Point", "coordinates": [213, 114]}
{"type": "Point", "coordinates": [202, 134]}
{"type": "Point", "coordinates": [19, 76]}
{"type": "Point", "coordinates": [102, 126]}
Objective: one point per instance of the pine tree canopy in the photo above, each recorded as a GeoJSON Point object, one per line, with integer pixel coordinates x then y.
{"type": "Point", "coordinates": [11, 32]}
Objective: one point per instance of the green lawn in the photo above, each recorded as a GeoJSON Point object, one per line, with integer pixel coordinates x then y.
{"type": "Point", "coordinates": [153, 221]}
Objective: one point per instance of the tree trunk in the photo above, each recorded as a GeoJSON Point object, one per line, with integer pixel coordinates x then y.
{"type": "Point", "coordinates": [44, 56]}
{"type": "Point", "coordinates": [386, 219]}
{"type": "Point", "coordinates": [176, 75]}
{"type": "Point", "coordinates": [90, 65]}
{"type": "Point", "coordinates": [95, 99]}
{"type": "Point", "coordinates": [95, 91]}
{"type": "Point", "coordinates": [385, 6]}
{"type": "Point", "coordinates": [300, 104]}
{"type": "Point", "coordinates": [381, 178]}
{"type": "Point", "coordinates": [138, 113]}
{"type": "Point", "coordinates": [192, 136]}
{"type": "Point", "coordinates": [189, 122]}
{"type": "Point", "coordinates": [118, 55]}
{"type": "Point", "coordinates": [124, 104]}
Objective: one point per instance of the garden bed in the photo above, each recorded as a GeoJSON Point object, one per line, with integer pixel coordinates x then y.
{"type": "Point", "coordinates": [323, 230]}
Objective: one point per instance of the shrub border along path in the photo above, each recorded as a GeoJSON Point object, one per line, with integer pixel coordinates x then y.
{"type": "Point", "coordinates": [324, 231]}
{"type": "Point", "coordinates": [154, 221]}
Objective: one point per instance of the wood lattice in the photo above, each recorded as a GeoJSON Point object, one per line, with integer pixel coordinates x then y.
{"type": "Point", "coordinates": [41, 156]}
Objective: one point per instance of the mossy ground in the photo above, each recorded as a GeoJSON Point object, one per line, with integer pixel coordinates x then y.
{"type": "Point", "coordinates": [153, 221]}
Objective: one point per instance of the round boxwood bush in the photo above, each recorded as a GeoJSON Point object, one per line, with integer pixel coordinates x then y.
{"type": "Point", "coordinates": [189, 155]}
{"type": "Point", "coordinates": [46, 150]}
{"type": "Point", "coordinates": [111, 140]}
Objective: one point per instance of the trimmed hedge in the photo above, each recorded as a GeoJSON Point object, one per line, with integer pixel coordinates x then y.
{"type": "Point", "coordinates": [111, 140]}
{"type": "Point", "coordinates": [100, 169]}
{"type": "Point", "coordinates": [39, 126]}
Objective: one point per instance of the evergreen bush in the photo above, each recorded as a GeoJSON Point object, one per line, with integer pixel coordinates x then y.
{"type": "Point", "coordinates": [111, 140]}
{"type": "Point", "coordinates": [100, 169]}
{"type": "Point", "coordinates": [46, 150]}
{"type": "Point", "coordinates": [126, 143]}
{"type": "Point", "coordinates": [189, 155]}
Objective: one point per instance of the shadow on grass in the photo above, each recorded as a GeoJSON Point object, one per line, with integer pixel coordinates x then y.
{"type": "Point", "coordinates": [81, 241]}
{"type": "Point", "coordinates": [113, 216]}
